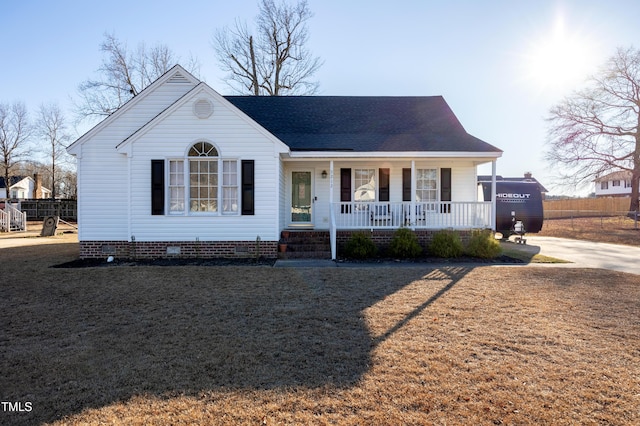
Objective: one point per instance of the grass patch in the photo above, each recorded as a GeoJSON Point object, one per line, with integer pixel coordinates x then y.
{"type": "Point", "coordinates": [261, 345]}
{"type": "Point", "coordinates": [615, 229]}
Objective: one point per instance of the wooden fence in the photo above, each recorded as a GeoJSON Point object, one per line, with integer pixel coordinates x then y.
{"type": "Point", "coordinates": [584, 207]}
{"type": "Point", "coordinates": [39, 209]}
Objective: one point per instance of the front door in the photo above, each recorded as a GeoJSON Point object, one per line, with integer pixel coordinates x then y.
{"type": "Point", "coordinates": [301, 198]}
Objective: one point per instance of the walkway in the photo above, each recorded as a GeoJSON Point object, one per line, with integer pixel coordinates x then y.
{"type": "Point", "coordinates": [581, 254]}
{"type": "Point", "coordinates": [587, 254]}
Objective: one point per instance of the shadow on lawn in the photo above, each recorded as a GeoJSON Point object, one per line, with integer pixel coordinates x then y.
{"type": "Point", "coordinates": [89, 337]}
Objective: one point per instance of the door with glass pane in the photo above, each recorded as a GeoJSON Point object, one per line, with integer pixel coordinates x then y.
{"type": "Point", "coordinates": [301, 198]}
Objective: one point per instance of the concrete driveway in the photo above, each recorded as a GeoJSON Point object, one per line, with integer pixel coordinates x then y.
{"type": "Point", "coordinates": [586, 254]}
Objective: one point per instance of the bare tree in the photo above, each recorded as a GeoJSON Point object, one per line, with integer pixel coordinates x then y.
{"type": "Point", "coordinates": [597, 130]}
{"type": "Point", "coordinates": [123, 74]}
{"type": "Point", "coordinates": [276, 61]}
{"type": "Point", "coordinates": [51, 128]}
{"type": "Point", "coordinates": [14, 136]}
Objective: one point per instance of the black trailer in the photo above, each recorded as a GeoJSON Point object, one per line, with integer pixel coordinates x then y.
{"type": "Point", "coordinates": [518, 206]}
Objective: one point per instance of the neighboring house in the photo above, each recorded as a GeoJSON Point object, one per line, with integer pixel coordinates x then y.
{"type": "Point", "coordinates": [616, 184]}
{"type": "Point", "coordinates": [180, 169]}
{"type": "Point", "coordinates": [23, 187]}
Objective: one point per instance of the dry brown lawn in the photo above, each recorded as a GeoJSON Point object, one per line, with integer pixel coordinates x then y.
{"type": "Point", "coordinates": [141, 345]}
{"type": "Point", "coordinates": [614, 229]}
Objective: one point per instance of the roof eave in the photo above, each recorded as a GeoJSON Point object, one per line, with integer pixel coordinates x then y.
{"type": "Point", "coordinates": [393, 154]}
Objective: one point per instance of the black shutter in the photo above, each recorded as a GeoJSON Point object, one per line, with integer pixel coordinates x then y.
{"type": "Point", "coordinates": [345, 189]}
{"type": "Point", "coordinates": [248, 187]}
{"type": "Point", "coordinates": [345, 184]}
{"type": "Point", "coordinates": [445, 189]}
{"type": "Point", "coordinates": [383, 192]}
{"type": "Point", "coordinates": [157, 187]}
{"type": "Point", "coordinates": [406, 184]}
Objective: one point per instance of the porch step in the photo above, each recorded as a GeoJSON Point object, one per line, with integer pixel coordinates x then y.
{"type": "Point", "coordinates": [305, 244]}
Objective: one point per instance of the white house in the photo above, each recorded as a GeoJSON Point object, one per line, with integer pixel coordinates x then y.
{"type": "Point", "coordinates": [616, 184]}
{"type": "Point", "coordinates": [23, 187]}
{"type": "Point", "coordinates": [182, 170]}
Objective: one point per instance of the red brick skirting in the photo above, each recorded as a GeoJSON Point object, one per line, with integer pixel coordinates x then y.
{"type": "Point", "coordinates": [178, 249]}
{"type": "Point", "coordinates": [382, 237]}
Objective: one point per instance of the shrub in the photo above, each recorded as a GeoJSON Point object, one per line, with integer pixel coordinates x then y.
{"type": "Point", "coordinates": [446, 244]}
{"type": "Point", "coordinates": [483, 244]}
{"type": "Point", "coordinates": [360, 246]}
{"type": "Point", "coordinates": [404, 245]}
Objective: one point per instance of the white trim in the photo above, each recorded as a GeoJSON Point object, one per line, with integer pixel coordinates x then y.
{"type": "Point", "coordinates": [493, 195]}
{"type": "Point", "coordinates": [301, 155]}
{"type": "Point", "coordinates": [289, 196]}
{"type": "Point", "coordinates": [196, 93]}
{"type": "Point", "coordinates": [187, 186]}
{"type": "Point", "coordinates": [74, 148]}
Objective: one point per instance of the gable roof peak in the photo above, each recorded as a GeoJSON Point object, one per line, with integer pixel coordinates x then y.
{"type": "Point", "coordinates": [175, 75]}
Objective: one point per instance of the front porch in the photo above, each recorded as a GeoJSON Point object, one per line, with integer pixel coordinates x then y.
{"type": "Point", "coordinates": [431, 215]}
{"type": "Point", "coordinates": [418, 215]}
{"type": "Point", "coordinates": [316, 244]}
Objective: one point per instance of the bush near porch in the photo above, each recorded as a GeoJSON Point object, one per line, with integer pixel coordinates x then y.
{"type": "Point", "coordinates": [404, 243]}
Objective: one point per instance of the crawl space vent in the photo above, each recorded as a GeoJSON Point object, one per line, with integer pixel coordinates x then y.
{"type": "Point", "coordinates": [202, 108]}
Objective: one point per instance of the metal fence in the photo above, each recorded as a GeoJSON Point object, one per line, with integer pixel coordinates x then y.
{"type": "Point", "coordinates": [605, 226]}
{"type": "Point", "coordinates": [39, 209]}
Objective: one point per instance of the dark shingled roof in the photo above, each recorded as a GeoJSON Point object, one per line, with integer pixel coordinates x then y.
{"type": "Point", "coordinates": [355, 123]}
{"type": "Point", "coordinates": [12, 180]}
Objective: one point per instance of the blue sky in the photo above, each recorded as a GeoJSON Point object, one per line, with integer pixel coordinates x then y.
{"type": "Point", "coordinates": [499, 64]}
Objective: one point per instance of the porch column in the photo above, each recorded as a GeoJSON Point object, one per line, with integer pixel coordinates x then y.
{"type": "Point", "coordinates": [412, 207]}
{"type": "Point", "coordinates": [332, 218]}
{"type": "Point", "coordinates": [493, 194]}
{"type": "Point", "coordinates": [330, 182]}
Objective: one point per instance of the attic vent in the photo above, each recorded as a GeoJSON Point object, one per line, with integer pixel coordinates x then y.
{"type": "Point", "coordinates": [178, 78]}
{"type": "Point", "coordinates": [203, 108]}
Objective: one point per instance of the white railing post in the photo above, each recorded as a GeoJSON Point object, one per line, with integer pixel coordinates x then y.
{"type": "Point", "coordinates": [3, 221]}
{"type": "Point", "coordinates": [429, 215]}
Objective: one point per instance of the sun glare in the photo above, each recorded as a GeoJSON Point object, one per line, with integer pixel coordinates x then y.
{"type": "Point", "coordinates": [560, 60]}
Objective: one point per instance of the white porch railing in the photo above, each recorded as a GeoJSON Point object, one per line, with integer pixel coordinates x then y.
{"type": "Point", "coordinates": [12, 219]}
{"type": "Point", "coordinates": [419, 215]}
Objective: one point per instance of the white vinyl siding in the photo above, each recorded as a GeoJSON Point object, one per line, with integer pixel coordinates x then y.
{"type": "Point", "coordinates": [235, 139]}
{"type": "Point", "coordinates": [104, 185]}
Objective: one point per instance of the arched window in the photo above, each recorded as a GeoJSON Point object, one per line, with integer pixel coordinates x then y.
{"type": "Point", "coordinates": [203, 149]}
{"type": "Point", "coordinates": [209, 184]}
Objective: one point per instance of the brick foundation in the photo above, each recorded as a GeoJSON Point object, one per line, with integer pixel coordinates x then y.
{"type": "Point", "coordinates": [178, 249]}
{"type": "Point", "coordinates": [382, 237]}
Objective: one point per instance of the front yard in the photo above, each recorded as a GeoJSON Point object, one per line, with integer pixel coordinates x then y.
{"type": "Point", "coordinates": [261, 345]}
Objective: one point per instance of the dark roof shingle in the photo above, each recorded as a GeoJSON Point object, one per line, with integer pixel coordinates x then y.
{"type": "Point", "coordinates": [360, 123]}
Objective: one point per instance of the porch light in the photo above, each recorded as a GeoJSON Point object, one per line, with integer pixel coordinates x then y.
{"type": "Point", "coordinates": [324, 174]}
